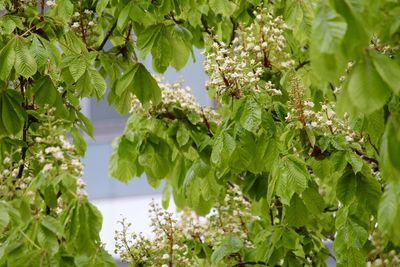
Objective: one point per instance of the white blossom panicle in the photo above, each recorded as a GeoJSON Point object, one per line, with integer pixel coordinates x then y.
{"type": "Point", "coordinates": [172, 95]}
{"type": "Point", "coordinates": [238, 68]}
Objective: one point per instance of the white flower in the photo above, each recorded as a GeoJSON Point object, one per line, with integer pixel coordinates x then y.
{"type": "Point", "coordinates": [314, 124]}
{"type": "Point", "coordinates": [50, 3]}
{"type": "Point", "coordinates": [329, 122]}
{"type": "Point", "coordinates": [175, 247]}
{"type": "Point", "coordinates": [165, 256]}
{"type": "Point", "coordinates": [76, 14]}
{"type": "Point", "coordinates": [164, 265]}
{"type": "Point", "coordinates": [91, 23]}
{"type": "Point", "coordinates": [75, 25]}
{"type": "Point", "coordinates": [6, 160]}
{"type": "Point", "coordinates": [349, 138]}
{"type": "Point", "coordinates": [47, 167]}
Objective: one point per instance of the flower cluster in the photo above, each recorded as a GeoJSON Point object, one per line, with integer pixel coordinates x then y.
{"type": "Point", "coordinates": [238, 68]}
{"type": "Point", "coordinates": [168, 247]}
{"type": "Point", "coordinates": [48, 156]}
{"type": "Point", "coordinates": [84, 23]}
{"type": "Point", "coordinates": [378, 256]}
{"type": "Point", "coordinates": [165, 249]}
{"type": "Point", "coordinates": [175, 95]}
{"type": "Point", "coordinates": [324, 120]}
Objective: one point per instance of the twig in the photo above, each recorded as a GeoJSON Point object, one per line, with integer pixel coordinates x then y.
{"type": "Point", "coordinates": [108, 35]}
{"type": "Point", "coordinates": [244, 263]}
{"type": "Point", "coordinates": [302, 64]}
{"type": "Point", "coordinates": [366, 157]}
{"type": "Point", "coordinates": [83, 32]}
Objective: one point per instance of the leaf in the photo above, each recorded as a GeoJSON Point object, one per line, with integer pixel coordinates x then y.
{"type": "Point", "coordinates": [79, 141]}
{"type": "Point", "coordinates": [355, 161]}
{"type": "Point", "coordinates": [389, 212]}
{"type": "Point", "coordinates": [366, 88]}
{"type": "Point", "coordinates": [125, 81]}
{"type": "Point", "coordinates": [53, 225]}
{"type": "Point", "coordinates": [224, 7]}
{"type": "Point", "coordinates": [4, 217]}
{"type": "Point", "coordinates": [388, 69]}
{"type": "Point", "coordinates": [223, 147]}
{"type": "Point", "coordinates": [357, 187]}
{"type": "Point", "coordinates": [181, 46]}
{"type": "Point", "coordinates": [77, 66]}
{"type": "Point", "coordinates": [182, 135]}
{"type": "Point", "coordinates": [229, 245]}
{"type": "Point", "coordinates": [250, 118]}
{"type": "Point", "coordinates": [328, 29]}
{"type": "Point", "coordinates": [145, 86]}
{"type": "Point", "coordinates": [98, 82]}
{"type": "Point", "coordinates": [147, 37]}
{"type": "Point", "coordinates": [101, 5]}
{"type": "Point", "coordinates": [296, 214]}
{"type": "Point", "coordinates": [122, 164]}
{"type": "Point", "coordinates": [7, 55]}
{"type": "Point", "coordinates": [292, 177]}
{"type": "Point", "coordinates": [25, 64]}
{"type": "Point", "coordinates": [12, 113]}
{"type": "Point", "coordinates": [44, 91]}
{"type": "Point", "coordinates": [85, 124]}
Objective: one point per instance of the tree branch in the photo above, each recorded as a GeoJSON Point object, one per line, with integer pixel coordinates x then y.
{"type": "Point", "coordinates": [302, 64]}
{"type": "Point", "coordinates": [108, 35]}
{"type": "Point", "coordinates": [244, 263]}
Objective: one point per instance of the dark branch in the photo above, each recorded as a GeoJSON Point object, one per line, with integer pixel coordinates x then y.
{"type": "Point", "coordinates": [244, 263]}
{"type": "Point", "coordinates": [108, 35]}
{"type": "Point", "coordinates": [302, 64]}
{"type": "Point", "coordinates": [366, 157]}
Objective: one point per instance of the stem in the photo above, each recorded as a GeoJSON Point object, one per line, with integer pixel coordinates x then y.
{"type": "Point", "coordinates": [29, 240]}
{"type": "Point", "coordinates": [302, 64]}
{"type": "Point", "coordinates": [41, 9]}
{"type": "Point", "coordinates": [24, 132]}
{"type": "Point", "coordinates": [82, 26]}
{"type": "Point", "coordinates": [108, 35]}
{"type": "Point", "coordinates": [244, 263]}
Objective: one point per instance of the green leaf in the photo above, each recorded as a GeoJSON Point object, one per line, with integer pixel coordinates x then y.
{"type": "Point", "coordinates": [4, 217]}
{"type": "Point", "coordinates": [7, 55]}
{"type": "Point", "coordinates": [101, 5]}
{"type": "Point", "coordinates": [125, 81]}
{"type": "Point", "coordinates": [365, 190]}
{"type": "Point", "coordinates": [182, 135]}
{"type": "Point", "coordinates": [145, 86]}
{"type": "Point", "coordinates": [77, 66]}
{"type": "Point", "coordinates": [223, 147]}
{"type": "Point", "coordinates": [328, 29]}
{"type": "Point", "coordinates": [296, 214]}
{"type": "Point", "coordinates": [79, 141]}
{"type": "Point", "coordinates": [355, 161]}
{"type": "Point", "coordinates": [229, 245]}
{"type": "Point", "coordinates": [53, 225]}
{"type": "Point", "coordinates": [388, 69]}
{"type": "Point", "coordinates": [366, 88]}
{"type": "Point", "coordinates": [224, 7]}
{"type": "Point", "coordinates": [250, 118]}
{"type": "Point", "coordinates": [98, 82]}
{"type": "Point", "coordinates": [147, 37]}
{"type": "Point", "coordinates": [292, 178]}
{"type": "Point", "coordinates": [389, 212]}
{"type": "Point", "coordinates": [122, 162]}
{"type": "Point", "coordinates": [25, 64]}
{"type": "Point", "coordinates": [12, 113]}
{"type": "Point", "coordinates": [44, 91]}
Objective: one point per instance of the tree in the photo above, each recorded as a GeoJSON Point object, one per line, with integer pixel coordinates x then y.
{"type": "Point", "coordinates": [306, 130]}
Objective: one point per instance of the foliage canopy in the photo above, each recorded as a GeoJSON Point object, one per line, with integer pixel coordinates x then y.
{"type": "Point", "coordinates": [306, 127]}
